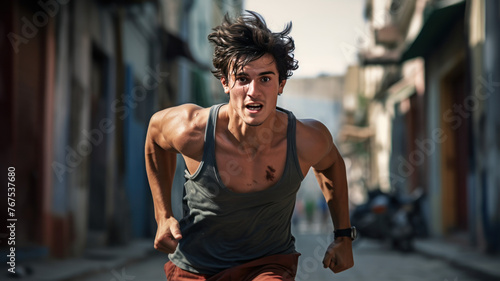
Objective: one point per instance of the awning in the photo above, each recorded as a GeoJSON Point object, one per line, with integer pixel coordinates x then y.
{"type": "Point", "coordinates": [442, 16]}
{"type": "Point", "coordinates": [175, 46]}
{"type": "Point", "coordinates": [388, 57]}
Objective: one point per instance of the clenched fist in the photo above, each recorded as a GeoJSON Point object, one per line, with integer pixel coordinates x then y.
{"type": "Point", "coordinates": [168, 235]}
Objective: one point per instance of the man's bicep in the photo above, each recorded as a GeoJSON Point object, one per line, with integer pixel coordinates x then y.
{"type": "Point", "coordinates": [327, 153]}
{"type": "Point", "coordinates": [327, 161]}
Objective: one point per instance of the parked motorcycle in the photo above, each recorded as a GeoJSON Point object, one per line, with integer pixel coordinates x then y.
{"type": "Point", "coordinates": [390, 216]}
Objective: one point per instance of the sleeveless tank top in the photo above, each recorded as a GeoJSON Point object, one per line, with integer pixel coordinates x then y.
{"type": "Point", "coordinates": [221, 228]}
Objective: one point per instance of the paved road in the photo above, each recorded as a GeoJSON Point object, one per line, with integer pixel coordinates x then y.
{"type": "Point", "coordinates": [150, 269]}
{"type": "Point", "coordinates": [373, 262]}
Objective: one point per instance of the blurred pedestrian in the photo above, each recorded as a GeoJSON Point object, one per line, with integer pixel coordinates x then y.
{"type": "Point", "coordinates": [245, 161]}
{"type": "Point", "coordinates": [310, 210]}
{"type": "Point", "coordinates": [298, 212]}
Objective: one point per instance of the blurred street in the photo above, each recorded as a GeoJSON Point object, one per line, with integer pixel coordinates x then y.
{"type": "Point", "coordinates": [148, 269]}
{"type": "Point", "coordinates": [373, 261]}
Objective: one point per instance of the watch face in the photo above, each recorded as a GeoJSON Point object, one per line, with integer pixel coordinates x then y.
{"type": "Point", "coordinates": [354, 233]}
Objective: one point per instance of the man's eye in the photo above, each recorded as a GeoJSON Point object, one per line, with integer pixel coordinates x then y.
{"type": "Point", "coordinates": [242, 79]}
{"type": "Point", "coordinates": [265, 79]}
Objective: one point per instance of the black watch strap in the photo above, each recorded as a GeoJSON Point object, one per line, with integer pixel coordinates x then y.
{"type": "Point", "coordinates": [346, 232]}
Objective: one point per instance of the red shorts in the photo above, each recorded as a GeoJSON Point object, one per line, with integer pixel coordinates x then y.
{"type": "Point", "coordinates": [276, 267]}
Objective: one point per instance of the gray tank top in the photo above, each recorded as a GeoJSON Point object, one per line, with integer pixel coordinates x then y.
{"type": "Point", "coordinates": [223, 229]}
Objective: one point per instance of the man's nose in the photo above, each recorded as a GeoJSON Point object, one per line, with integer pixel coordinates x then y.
{"type": "Point", "coordinates": [253, 89]}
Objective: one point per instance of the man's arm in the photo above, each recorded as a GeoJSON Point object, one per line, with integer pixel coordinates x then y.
{"type": "Point", "coordinates": [160, 168]}
{"type": "Point", "coordinates": [331, 175]}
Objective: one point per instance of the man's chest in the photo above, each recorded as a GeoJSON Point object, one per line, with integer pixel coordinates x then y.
{"type": "Point", "coordinates": [242, 170]}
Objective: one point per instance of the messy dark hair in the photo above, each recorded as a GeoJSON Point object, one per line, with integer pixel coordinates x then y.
{"type": "Point", "coordinates": [248, 38]}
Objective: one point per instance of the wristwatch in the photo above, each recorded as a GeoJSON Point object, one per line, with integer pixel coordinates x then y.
{"type": "Point", "coordinates": [346, 232]}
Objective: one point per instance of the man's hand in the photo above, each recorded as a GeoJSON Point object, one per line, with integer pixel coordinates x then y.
{"type": "Point", "coordinates": [338, 256]}
{"type": "Point", "coordinates": [168, 235]}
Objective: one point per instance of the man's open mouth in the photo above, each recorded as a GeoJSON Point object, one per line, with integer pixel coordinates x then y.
{"type": "Point", "coordinates": [254, 107]}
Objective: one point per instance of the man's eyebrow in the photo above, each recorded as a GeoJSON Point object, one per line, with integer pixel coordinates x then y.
{"type": "Point", "coordinates": [260, 74]}
{"type": "Point", "coordinates": [266, 73]}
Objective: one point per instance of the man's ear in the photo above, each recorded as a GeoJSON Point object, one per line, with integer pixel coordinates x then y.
{"type": "Point", "coordinates": [282, 85]}
{"type": "Point", "coordinates": [225, 84]}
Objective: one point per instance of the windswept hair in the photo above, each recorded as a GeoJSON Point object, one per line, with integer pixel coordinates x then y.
{"type": "Point", "coordinates": [247, 38]}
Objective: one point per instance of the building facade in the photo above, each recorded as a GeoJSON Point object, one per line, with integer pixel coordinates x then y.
{"type": "Point", "coordinates": [429, 76]}
{"type": "Point", "coordinates": [79, 82]}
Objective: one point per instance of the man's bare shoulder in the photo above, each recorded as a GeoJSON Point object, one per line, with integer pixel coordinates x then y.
{"type": "Point", "coordinates": [314, 140]}
{"type": "Point", "coordinates": [181, 115]}
{"type": "Point", "coordinates": [181, 127]}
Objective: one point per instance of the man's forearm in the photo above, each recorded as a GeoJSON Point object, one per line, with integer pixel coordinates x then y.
{"type": "Point", "coordinates": [333, 183]}
{"type": "Point", "coordinates": [160, 167]}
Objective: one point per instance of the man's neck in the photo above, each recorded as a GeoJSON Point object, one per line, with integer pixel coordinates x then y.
{"type": "Point", "coordinates": [253, 139]}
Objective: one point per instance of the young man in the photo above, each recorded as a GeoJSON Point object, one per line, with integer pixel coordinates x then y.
{"type": "Point", "coordinates": [245, 161]}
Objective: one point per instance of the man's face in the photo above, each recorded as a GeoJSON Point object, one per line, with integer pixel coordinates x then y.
{"type": "Point", "coordinates": [254, 90]}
